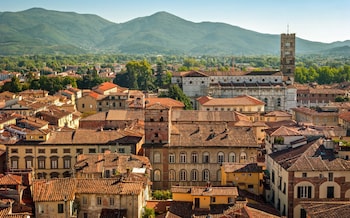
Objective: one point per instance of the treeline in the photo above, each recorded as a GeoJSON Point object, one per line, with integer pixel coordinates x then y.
{"type": "Point", "coordinates": [52, 84]}
{"type": "Point", "coordinates": [323, 74]}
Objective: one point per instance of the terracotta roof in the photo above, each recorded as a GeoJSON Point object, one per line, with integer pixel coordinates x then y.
{"type": "Point", "coordinates": [159, 206]}
{"type": "Point", "coordinates": [52, 190]}
{"type": "Point", "coordinates": [168, 102]}
{"type": "Point", "coordinates": [203, 116]}
{"type": "Point", "coordinates": [106, 86]}
{"type": "Point", "coordinates": [285, 131]}
{"type": "Point", "coordinates": [242, 167]}
{"type": "Point", "coordinates": [327, 209]}
{"type": "Point", "coordinates": [278, 114]}
{"type": "Point", "coordinates": [125, 115]}
{"type": "Point", "coordinates": [86, 136]}
{"type": "Point", "coordinates": [345, 116]}
{"type": "Point", "coordinates": [96, 163]}
{"type": "Point", "coordinates": [10, 179]}
{"type": "Point", "coordinates": [318, 158]}
{"type": "Point", "coordinates": [212, 134]}
{"type": "Point", "coordinates": [244, 100]}
{"type": "Point", "coordinates": [108, 186]}
{"type": "Point", "coordinates": [95, 95]}
{"type": "Point", "coordinates": [7, 213]}
{"type": "Point", "coordinates": [205, 191]}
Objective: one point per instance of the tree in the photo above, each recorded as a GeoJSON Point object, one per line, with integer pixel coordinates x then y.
{"type": "Point", "coordinates": [175, 92]}
{"type": "Point", "coordinates": [148, 213]}
{"type": "Point", "coordinates": [139, 75]}
{"type": "Point", "coordinates": [13, 86]}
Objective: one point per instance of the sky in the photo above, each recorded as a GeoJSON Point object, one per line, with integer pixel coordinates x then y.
{"type": "Point", "coordinates": [314, 20]}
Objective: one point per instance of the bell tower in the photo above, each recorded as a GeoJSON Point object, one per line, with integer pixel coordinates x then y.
{"type": "Point", "coordinates": [287, 62]}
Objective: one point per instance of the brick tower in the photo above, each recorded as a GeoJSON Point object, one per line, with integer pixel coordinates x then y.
{"type": "Point", "coordinates": [287, 63]}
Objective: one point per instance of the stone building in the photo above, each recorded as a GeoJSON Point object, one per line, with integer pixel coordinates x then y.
{"type": "Point", "coordinates": [188, 147]}
{"type": "Point", "coordinates": [307, 173]}
{"type": "Point", "coordinates": [274, 87]}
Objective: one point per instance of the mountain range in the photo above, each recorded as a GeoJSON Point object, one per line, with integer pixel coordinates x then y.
{"type": "Point", "coordinates": [41, 31]}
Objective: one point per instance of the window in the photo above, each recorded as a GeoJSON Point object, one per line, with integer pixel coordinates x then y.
{"type": "Point", "coordinates": [92, 150]}
{"type": "Point", "coordinates": [232, 157]}
{"type": "Point", "coordinates": [194, 175]}
{"type": "Point", "coordinates": [182, 157]}
{"type": "Point", "coordinates": [41, 151]}
{"type": "Point", "coordinates": [85, 215]}
{"type": "Point", "coordinates": [111, 201]}
{"type": "Point", "coordinates": [205, 157]}
{"type": "Point", "coordinates": [121, 150]}
{"type": "Point", "coordinates": [304, 191]}
{"type": "Point", "coordinates": [304, 175]}
{"type": "Point", "coordinates": [29, 151]}
{"type": "Point", "coordinates": [66, 150]}
{"type": "Point", "coordinates": [273, 176]}
{"type": "Point", "coordinates": [79, 151]}
{"type": "Point", "coordinates": [194, 158]}
{"type": "Point", "coordinates": [156, 175]}
{"type": "Point", "coordinates": [229, 200]}
{"type": "Point", "coordinates": [206, 175]}
{"type": "Point", "coordinates": [60, 208]}
{"type": "Point", "coordinates": [14, 150]}
{"type": "Point", "coordinates": [171, 158]}
{"type": "Point", "coordinates": [41, 162]}
{"type": "Point", "coordinates": [183, 175]}
{"type": "Point", "coordinates": [66, 162]}
{"type": "Point", "coordinates": [243, 156]}
{"type": "Point", "coordinates": [14, 162]}
{"type": "Point", "coordinates": [330, 192]}
{"type": "Point", "coordinates": [53, 151]}
{"type": "Point", "coordinates": [84, 200]}
{"type": "Point", "coordinates": [212, 199]}
{"type": "Point", "coordinates": [99, 200]}
{"type": "Point", "coordinates": [330, 176]}
{"type": "Point", "coordinates": [302, 213]}
{"type": "Point", "coordinates": [250, 186]}
{"type": "Point", "coordinates": [266, 101]}
{"type": "Point", "coordinates": [172, 175]}
{"type": "Point", "coordinates": [278, 102]}
{"type": "Point", "coordinates": [54, 162]}
{"type": "Point", "coordinates": [29, 162]}
{"type": "Point", "coordinates": [221, 157]}
{"type": "Point", "coordinates": [156, 157]}
{"type": "Point", "coordinates": [107, 173]}
{"type": "Point", "coordinates": [83, 105]}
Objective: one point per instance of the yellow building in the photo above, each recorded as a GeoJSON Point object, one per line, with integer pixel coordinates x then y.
{"type": "Point", "coordinates": [205, 197]}
{"type": "Point", "coordinates": [246, 176]}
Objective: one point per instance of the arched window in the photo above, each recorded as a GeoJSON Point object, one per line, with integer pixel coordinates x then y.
{"type": "Point", "coordinates": [183, 175]}
{"type": "Point", "coordinates": [221, 157]}
{"type": "Point", "coordinates": [205, 157]}
{"type": "Point", "coordinates": [156, 157]}
{"type": "Point", "coordinates": [172, 175]}
{"type": "Point", "coordinates": [206, 175]}
{"type": "Point", "coordinates": [54, 175]}
{"type": "Point", "coordinates": [14, 162]}
{"type": "Point", "coordinates": [156, 175]}
{"type": "Point", "coordinates": [243, 157]}
{"type": "Point", "coordinates": [194, 175]}
{"type": "Point", "coordinates": [182, 157]}
{"type": "Point", "coordinates": [232, 157]}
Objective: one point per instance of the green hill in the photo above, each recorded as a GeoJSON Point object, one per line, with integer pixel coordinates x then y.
{"type": "Point", "coordinates": [40, 31]}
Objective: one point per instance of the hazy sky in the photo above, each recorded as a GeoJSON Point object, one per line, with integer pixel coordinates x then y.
{"type": "Point", "coordinates": [315, 20]}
